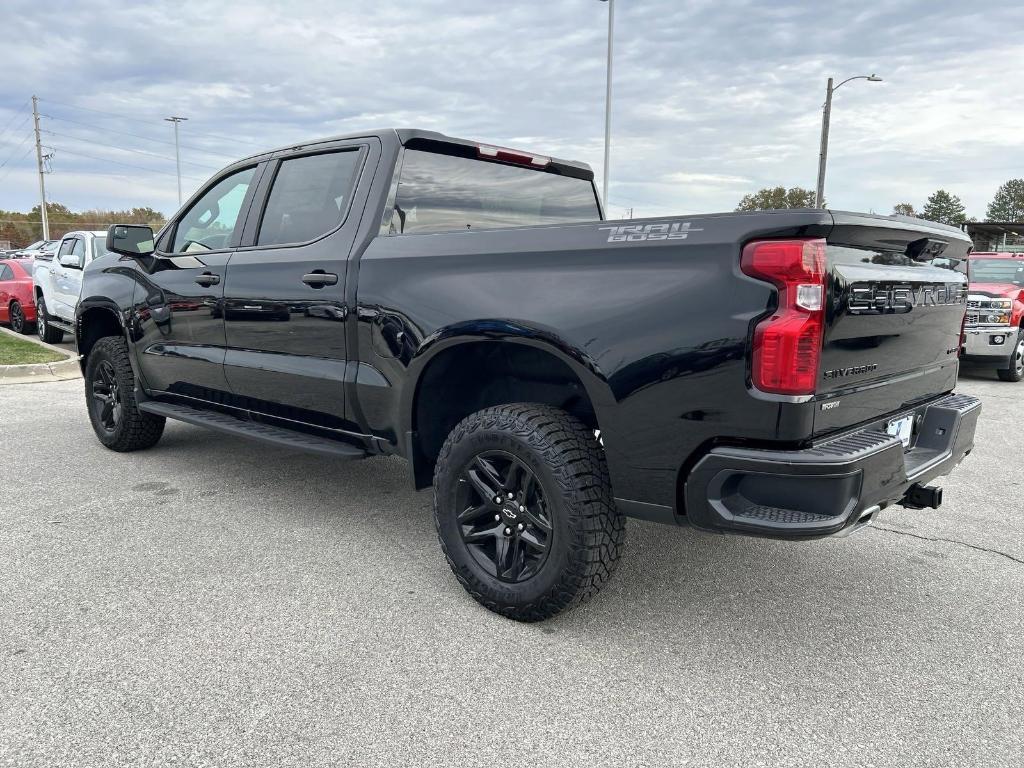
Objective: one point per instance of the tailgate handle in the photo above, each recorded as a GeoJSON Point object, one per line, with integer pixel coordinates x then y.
{"type": "Point", "coordinates": [926, 248]}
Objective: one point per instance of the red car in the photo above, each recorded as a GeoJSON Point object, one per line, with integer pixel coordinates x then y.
{"type": "Point", "coordinates": [17, 304]}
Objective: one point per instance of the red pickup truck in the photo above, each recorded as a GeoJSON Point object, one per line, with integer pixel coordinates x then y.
{"type": "Point", "coordinates": [994, 326]}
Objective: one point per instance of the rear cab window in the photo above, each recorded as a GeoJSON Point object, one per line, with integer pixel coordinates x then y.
{"type": "Point", "coordinates": [447, 193]}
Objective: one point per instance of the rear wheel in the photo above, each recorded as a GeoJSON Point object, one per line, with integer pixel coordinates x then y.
{"type": "Point", "coordinates": [46, 332]}
{"type": "Point", "coordinates": [110, 394]}
{"type": "Point", "coordinates": [524, 510]}
{"type": "Point", "coordinates": [1015, 370]}
{"type": "Point", "coordinates": [17, 317]}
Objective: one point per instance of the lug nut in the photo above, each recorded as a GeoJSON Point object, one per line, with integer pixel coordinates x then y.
{"type": "Point", "coordinates": [497, 518]}
{"type": "Point", "coordinates": [520, 526]}
{"type": "Point", "coordinates": [497, 499]}
{"type": "Point", "coordinates": [522, 508]}
{"type": "Point", "coordinates": [508, 531]}
{"type": "Point", "coordinates": [510, 494]}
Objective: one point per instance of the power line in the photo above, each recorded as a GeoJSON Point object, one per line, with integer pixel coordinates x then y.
{"type": "Point", "coordinates": [233, 139]}
{"type": "Point", "coordinates": [15, 117]}
{"type": "Point", "coordinates": [25, 154]}
{"type": "Point", "coordinates": [126, 149]}
{"type": "Point", "coordinates": [118, 162]}
{"type": "Point", "coordinates": [138, 136]}
{"type": "Point", "coordinates": [24, 141]}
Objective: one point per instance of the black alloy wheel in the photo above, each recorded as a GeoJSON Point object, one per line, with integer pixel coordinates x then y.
{"type": "Point", "coordinates": [111, 398]}
{"type": "Point", "coordinates": [524, 510]}
{"type": "Point", "coordinates": [17, 317]}
{"type": "Point", "coordinates": [503, 516]}
{"type": "Point", "coordinates": [106, 394]}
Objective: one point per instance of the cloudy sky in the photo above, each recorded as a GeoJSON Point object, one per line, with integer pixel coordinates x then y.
{"type": "Point", "coordinates": [712, 99]}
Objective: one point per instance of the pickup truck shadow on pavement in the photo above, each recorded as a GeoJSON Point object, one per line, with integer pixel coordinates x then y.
{"type": "Point", "coordinates": [669, 580]}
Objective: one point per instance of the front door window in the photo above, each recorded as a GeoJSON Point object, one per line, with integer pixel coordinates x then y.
{"type": "Point", "coordinates": [209, 224]}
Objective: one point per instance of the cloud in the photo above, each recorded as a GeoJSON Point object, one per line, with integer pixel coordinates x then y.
{"type": "Point", "coordinates": [711, 99]}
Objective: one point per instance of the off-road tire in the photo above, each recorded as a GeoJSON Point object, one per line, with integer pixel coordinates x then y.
{"type": "Point", "coordinates": [134, 430]}
{"type": "Point", "coordinates": [46, 331]}
{"type": "Point", "coordinates": [569, 464]}
{"type": "Point", "coordinates": [1015, 370]}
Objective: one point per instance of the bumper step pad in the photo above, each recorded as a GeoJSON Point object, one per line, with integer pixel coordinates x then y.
{"type": "Point", "coordinates": [828, 487]}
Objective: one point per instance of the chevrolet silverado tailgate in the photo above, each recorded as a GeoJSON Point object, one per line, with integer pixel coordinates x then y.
{"type": "Point", "coordinates": [895, 304]}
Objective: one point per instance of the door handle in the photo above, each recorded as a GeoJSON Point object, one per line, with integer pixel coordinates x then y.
{"type": "Point", "coordinates": [320, 279]}
{"type": "Point", "coordinates": [207, 279]}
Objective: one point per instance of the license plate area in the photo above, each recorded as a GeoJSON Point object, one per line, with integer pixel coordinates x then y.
{"type": "Point", "coordinates": [902, 428]}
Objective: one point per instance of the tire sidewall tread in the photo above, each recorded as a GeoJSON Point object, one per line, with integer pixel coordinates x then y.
{"type": "Point", "coordinates": [569, 463]}
{"type": "Point", "coordinates": [137, 430]}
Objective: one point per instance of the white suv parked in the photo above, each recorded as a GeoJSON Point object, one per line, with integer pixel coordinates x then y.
{"type": "Point", "coordinates": [57, 279]}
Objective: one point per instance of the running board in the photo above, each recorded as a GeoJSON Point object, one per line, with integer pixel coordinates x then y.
{"type": "Point", "coordinates": [254, 430]}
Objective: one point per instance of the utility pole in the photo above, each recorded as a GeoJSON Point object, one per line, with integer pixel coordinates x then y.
{"type": "Point", "coordinates": [826, 116]}
{"type": "Point", "coordinates": [177, 153]}
{"type": "Point", "coordinates": [608, 102]}
{"type": "Point", "coordinates": [39, 166]}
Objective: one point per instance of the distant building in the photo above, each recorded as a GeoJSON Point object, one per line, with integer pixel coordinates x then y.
{"type": "Point", "coordinates": [991, 236]}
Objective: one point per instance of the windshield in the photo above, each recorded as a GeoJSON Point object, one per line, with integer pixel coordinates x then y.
{"type": "Point", "coordinates": [99, 247]}
{"type": "Point", "coordinates": [997, 271]}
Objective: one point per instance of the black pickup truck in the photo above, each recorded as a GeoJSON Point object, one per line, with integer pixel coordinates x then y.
{"type": "Point", "coordinates": [785, 374]}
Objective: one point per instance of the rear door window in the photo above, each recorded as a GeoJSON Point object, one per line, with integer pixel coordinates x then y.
{"type": "Point", "coordinates": [309, 197]}
{"type": "Point", "coordinates": [6, 273]}
{"type": "Point", "coordinates": [443, 193]}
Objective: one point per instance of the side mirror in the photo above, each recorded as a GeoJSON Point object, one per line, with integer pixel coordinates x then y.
{"type": "Point", "coordinates": [69, 260]}
{"type": "Point", "coordinates": [130, 239]}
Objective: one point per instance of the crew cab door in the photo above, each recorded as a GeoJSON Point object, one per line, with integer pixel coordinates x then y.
{"type": "Point", "coordinates": [178, 300]}
{"type": "Point", "coordinates": [49, 277]}
{"type": "Point", "coordinates": [67, 271]}
{"type": "Point", "coordinates": [284, 302]}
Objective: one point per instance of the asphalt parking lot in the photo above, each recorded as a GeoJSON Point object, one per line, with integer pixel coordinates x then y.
{"type": "Point", "coordinates": [217, 602]}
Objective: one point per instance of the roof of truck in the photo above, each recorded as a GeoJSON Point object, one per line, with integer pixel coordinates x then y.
{"type": "Point", "coordinates": [418, 137]}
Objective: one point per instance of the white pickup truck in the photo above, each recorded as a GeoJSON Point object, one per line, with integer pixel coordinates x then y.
{"type": "Point", "coordinates": [57, 282]}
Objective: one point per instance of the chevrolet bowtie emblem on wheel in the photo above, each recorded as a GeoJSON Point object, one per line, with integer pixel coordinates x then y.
{"type": "Point", "coordinates": [661, 230]}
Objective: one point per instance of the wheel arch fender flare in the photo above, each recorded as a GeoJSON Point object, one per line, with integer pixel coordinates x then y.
{"type": "Point", "coordinates": [91, 311]}
{"type": "Point", "coordinates": [576, 359]}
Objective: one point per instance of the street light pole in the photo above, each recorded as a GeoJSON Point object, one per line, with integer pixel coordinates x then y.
{"type": "Point", "coordinates": [608, 103]}
{"type": "Point", "coordinates": [826, 116]}
{"type": "Point", "coordinates": [177, 153]}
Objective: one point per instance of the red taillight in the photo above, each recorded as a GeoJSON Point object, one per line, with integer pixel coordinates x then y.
{"type": "Point", "coordinates": [511, 156]}
{"type": "Point", "coordinates": [787, 345]}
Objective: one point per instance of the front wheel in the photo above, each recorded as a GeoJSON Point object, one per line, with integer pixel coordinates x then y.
{"type": "Point", "coordinates": [110, 395]}
{"type": "Point", "coordinates": [46, 332]}
{"type": "Point", "coordinates": [1015, 370]}
{"type": "Point", "coordinates": [524, 510]}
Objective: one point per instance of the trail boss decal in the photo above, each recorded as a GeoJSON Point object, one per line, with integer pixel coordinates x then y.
{"type": "Point", "coordinates": [661, 230]}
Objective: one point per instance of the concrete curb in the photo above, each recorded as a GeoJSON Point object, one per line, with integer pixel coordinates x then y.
{"type": "Point", "coordinates": [33, 373]}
